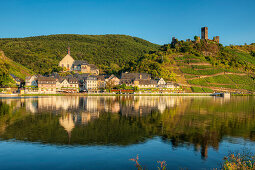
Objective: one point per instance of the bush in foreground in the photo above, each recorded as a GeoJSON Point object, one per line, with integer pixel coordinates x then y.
{"type": "Point", "coordinates": [239, 161]}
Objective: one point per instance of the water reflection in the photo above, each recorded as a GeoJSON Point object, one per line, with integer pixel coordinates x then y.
{"type": "Point", "coordinates": [124, 120]}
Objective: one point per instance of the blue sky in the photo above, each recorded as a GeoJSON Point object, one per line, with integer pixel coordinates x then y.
{"type": "Point", "coordinates": [154, 20]}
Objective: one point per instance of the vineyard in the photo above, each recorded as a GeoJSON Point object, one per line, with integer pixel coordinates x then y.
{"type": "Point", "coordinates": [226, 81]}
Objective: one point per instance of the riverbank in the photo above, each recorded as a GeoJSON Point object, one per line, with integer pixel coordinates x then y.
{"type": "Point", "coordinates": [110, 94]}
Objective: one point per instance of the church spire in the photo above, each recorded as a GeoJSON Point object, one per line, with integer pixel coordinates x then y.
{"type": "Point", "coordinates": [68, 50]}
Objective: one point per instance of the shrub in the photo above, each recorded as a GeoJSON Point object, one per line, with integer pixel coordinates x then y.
{"type": "Point", "coordinates": [238, 161]}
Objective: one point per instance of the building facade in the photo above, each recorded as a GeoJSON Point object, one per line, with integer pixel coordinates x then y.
{"type": "Point", "coordinates": [69, 64]}
{"type": "Point", "coordinates": [46, 85]}
{"type": "Point", "coordinates": [90, 84]}
{"type": "Point", "coordinates": [68, 85]}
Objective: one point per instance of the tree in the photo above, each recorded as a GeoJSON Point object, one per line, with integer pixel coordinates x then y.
{"type": "Point", "coordinates": [109, 85]}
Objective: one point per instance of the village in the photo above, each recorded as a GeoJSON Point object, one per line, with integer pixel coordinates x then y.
{"type": "Point", "coordinates": [87, 79]}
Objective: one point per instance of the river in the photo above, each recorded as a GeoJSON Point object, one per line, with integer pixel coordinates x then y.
{"type": "Point", "coordinates": [100, 132]}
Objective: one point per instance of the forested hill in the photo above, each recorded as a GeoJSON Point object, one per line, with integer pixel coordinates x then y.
{"type": "Point", "coordinates": [111, 53]}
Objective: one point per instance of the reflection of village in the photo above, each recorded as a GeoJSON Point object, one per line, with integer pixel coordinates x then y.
{"type": "Point", "coordinates": [81, 110]}
{"type": "Point", "coordinates": [125, 105]}
{"type": "Point", "coordinates": [75, 111]}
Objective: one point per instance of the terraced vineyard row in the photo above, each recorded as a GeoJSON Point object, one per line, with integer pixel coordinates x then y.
{"type": "Point", "coordinates": [226, 81]}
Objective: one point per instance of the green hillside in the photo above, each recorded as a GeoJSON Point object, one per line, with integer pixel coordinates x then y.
{"type": "Point", "coordinates": [42, 54]}
{"type": "Point", "coordinates": [204, 66]}
{"type": "Point", "coordinates": [7, 67]}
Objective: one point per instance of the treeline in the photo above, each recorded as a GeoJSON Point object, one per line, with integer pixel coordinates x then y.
{"type": "Point", "coordinates": [111, 53]}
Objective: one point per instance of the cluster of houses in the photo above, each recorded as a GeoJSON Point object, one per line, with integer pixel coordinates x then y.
{"type": "Point", "coordinates": [91, 83]}
{"type": "Point", "coordinates": [86, 78]}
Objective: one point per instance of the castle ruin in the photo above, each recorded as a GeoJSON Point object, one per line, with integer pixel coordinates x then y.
{"type": "Point", "coordinates": [204, 33]}
{"type": "Point", "coordinates": [204, 36]}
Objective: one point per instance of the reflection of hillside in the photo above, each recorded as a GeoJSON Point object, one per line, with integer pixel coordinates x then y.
{"type": "Point", "coordinates": [204, 122]}
{"type": "Point", "coordinates": [198, 121]}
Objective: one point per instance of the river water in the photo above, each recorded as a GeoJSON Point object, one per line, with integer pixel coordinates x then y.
{"type": "Point", "coordinates": [105, 132]}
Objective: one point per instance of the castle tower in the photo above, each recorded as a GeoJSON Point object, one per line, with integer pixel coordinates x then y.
{"type": "Point", "coordinates": [204, 33]}
{"type": "Point", "coordinates": [216, 39]}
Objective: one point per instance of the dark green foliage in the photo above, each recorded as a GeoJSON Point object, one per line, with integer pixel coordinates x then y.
{"type": "Point", "coordinates": [43, 53]}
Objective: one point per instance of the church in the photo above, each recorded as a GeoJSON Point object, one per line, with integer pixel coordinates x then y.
{"type": "Point", "coordinates": [78, 66]}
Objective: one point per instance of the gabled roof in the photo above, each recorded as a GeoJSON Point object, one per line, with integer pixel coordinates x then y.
{"type": "Point", "coordinates": [67, 56]}
{"type": "Point", "coordinates": [112, 76]}
{"type": "Point", "coordinates": [46, 80]}
{"type": "Point", "coordinates": [29, 77]}
{"type": "Point", "coordinates": [136, 76]}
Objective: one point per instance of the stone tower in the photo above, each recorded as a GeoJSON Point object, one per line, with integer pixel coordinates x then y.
{"type": "Point", "coordinates": [204, 33]}
{"type": "Point", "coordinates": [216, 39]}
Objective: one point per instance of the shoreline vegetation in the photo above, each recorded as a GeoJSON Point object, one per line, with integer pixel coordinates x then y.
{"type": "Point", "coordinates": [244, 160]}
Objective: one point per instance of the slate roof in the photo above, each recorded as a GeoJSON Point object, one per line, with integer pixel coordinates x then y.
{"type": "Point", "coordinates": [101, 77]}
{"type": "Point", "coordinates": [136, 76]}
{"type": "Point", "coordinates": [81, 76]}
{"type": "Point", "coordinates": [46, 80]}
{"type": "Point", "coordinates": [73, 80]}
{"type": "Point", "coordinates": [91, 77]}
{"type": "Point", "coordinates": [79, 62]}
{"type": "Point", "coordinates": [147, 82]}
